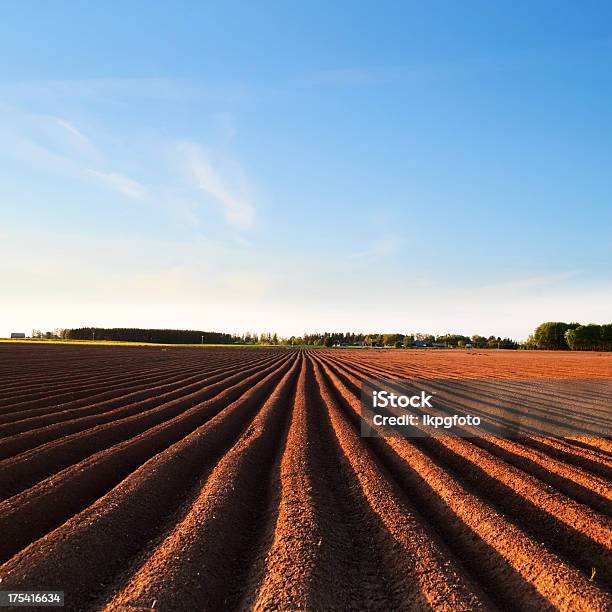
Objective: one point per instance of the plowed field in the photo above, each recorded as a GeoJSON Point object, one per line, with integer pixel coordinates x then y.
{"type": "Point", "coordinates": [214, 479]}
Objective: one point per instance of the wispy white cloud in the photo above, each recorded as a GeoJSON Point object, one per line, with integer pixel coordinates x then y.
{"type": "Point", "coordinates": [72, 130]}
{"type": "Point", "coordinates": [56, 145]}
{"type": "Point", "coordinates": [52, 143]}
{"type": "Point", "coordinates": [227, 186]}
{"type": "Point", "coordinates": [120, 183]}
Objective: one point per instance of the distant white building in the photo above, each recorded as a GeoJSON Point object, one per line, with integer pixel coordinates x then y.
{"type": "Point", "coordinates": [17, 335]}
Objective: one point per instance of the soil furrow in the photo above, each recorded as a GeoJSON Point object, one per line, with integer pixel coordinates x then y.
{"type": "Point", "coordinates": [139, 507]}
{"type": "Point", "coordinates": [486, 538]}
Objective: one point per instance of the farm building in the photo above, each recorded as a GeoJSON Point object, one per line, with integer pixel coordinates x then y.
{"type": "Point", "coordinates": [17, 335]}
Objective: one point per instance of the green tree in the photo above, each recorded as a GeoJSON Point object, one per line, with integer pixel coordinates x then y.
{"type": "Point", "coordinates": [391, 339]}
{"type": "Point", "coordinates": [606, 337]}
{"type": "Point", "coordinates": [530, 343]}
{"type": "Point", "coordinates": [327, 341]}
{"type": "Point", "coordinates": [479, 341]}
{"type": "Point", "coordinates": [551, 336]}
{"type": "Point", "coordinates": [585, 338]}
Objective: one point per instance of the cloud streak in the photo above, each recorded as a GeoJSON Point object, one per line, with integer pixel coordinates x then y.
{"type": "Point", "coordinates": [120, 183]}
{"type": "Point", "coordinates": [228, 189]}
{"type": "Point", "coordinates": [72, 130]}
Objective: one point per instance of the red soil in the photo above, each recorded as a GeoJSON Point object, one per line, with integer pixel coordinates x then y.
{"type": "Point", "coordinates": [220, 479]}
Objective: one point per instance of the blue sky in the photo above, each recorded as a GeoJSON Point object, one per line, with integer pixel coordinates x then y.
{"type": "Point", "coordinates": [306, 166]}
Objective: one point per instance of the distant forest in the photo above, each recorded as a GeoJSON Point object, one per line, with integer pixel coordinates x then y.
{"type": "Point", "coordinates": [177, 336]}
{"type": "Point", "coordinates": [406, 340]}
{"type": "Point", "coordinates": [547, 336]}
{"type": "Point", "coordinates": [161, 336]}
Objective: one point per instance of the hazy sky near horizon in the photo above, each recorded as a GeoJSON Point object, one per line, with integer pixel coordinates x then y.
{"type": "Point", "coordinates": [301, 166]}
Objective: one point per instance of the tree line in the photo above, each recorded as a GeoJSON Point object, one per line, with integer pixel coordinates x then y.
{"type": "Point", "coordinates": [156, 336]}
{"type": "Point", "coordinates": [398, 340]}
{"type": "Point", "coordinates": [328, 339]}
{"type": "Point", "coordinates": [559, 336]}
{"type": "Point", "coordinates": [552, 335]}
